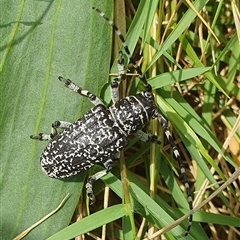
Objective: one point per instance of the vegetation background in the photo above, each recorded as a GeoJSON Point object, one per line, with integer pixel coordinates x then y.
{"type": "Point", "coordinates": [190, 52]}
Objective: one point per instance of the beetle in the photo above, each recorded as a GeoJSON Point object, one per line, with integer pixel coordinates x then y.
{"type": "Point", "coordinates": [100, 135]}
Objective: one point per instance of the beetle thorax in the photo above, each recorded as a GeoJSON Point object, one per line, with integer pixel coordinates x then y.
{"type": "Point", "coordinates": [133, 112]}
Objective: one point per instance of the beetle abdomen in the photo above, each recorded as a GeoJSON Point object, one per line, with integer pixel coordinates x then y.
{"type": "Point", "coordinates": [91, 139]}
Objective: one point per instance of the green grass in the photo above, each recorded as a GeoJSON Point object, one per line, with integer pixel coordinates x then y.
{"type": "Point", "coordinates": [194, 79]}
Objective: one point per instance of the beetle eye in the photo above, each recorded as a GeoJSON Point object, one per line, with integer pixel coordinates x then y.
{"type": "Point", "coordinates": [148, 95]}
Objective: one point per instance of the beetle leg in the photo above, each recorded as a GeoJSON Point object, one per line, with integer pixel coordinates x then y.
{"type": "Point", "coordinates": [72, 86]}
{"type": "Point", "coordinates": [47, 137]}
{"type": "Point", "coordinates": [145, 137]}
{"type": "Point", "coordinates": [108, 165]}
{"type": "Point", "coordinates": [121, 77]}
{"type": "Point", "coordinates": [42, 137]}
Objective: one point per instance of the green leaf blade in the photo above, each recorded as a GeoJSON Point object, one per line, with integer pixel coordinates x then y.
{"type": "Point", "coordinates": [44, 40]}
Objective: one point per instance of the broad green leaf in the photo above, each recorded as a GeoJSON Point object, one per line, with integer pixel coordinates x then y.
{"type": "Point", "coordinates": [41, 40]}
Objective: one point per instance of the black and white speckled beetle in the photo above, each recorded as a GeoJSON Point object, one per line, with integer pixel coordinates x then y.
{"type": "Point", "coordinates": [102, 132]}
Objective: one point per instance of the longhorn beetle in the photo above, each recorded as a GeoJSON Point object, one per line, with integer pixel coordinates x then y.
{"type": "Point", "coordinates": [102, 132]}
